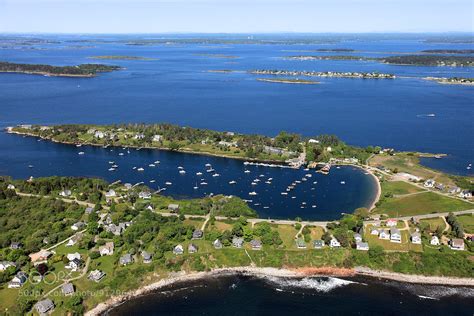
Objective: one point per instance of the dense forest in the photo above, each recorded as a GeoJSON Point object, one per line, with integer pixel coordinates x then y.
{"type": "Point", "coordinates": [86, 70]}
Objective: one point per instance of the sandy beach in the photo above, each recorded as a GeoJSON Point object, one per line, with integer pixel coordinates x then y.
{"type": "Point", "coordinates": [280, 273]}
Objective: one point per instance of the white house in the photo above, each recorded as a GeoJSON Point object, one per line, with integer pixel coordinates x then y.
{"type": "Point", "coordinates": [466, 194]}
{"type": "Point", "coordinates": [110, 193]}
{"type": "Point", "coordinates": [429, 183]}
{"type": "Point", "coordinates": [65, 193]}
{"type": "Point", "coordinates": [5, 265]}
{"type": "Point", "coordinates": [434, 241]}
{"type": "Point", "coordinates": [78, 225]}
{"type": "Point", "coordinates": [72, 256]}
{"type": "Point", "coordinates": [107, 249]}
{"type": "Point", "coordinates": [357, 238]}
{"type": "Point", "coordinates": [391, 222]}
{"type": "Point", "coordinates": [334, 243]}
{"type": "Point", "coordinates": [395, 235]}
{"type": "Point", "coordinates": [313, 141]}
{"type": "Point", "coordinates": [384, 234]}
{"type": "Point", "coordinates": [11, 187]}
{"type": "Point", "coordinates": [178, 250]}
{"type": "Point", "coordinates": [374, 231]}
{"type": "Point", "coordinates": [157, 138]}
{"type": "Point", "coordinates": [416, 238]}
{"type": "Point", "coordinates": [362, 246]}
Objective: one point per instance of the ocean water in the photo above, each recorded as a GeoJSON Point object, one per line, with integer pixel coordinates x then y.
{"type": "Point", "coordinates": [239, 295]}
{"type": "Point", "coordinates": [178, 88]}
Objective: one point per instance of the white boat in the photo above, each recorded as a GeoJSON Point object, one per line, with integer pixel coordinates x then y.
{"type": "Point", "coordinates": [157, 162]}
{"type": "Point", "coordinates": [120, 154]}
{"type": "Point", "coordinates": [199, 173]}
{"type": "Point", "coordinates": [180, 168]}
{"type": "Point", "coordinates": [253, 193]}
{"type": "Point", "coordinates": [208, 165]}
{"type": "Point", "coordinates": [293, 197]}
{"type": "Point", "coordinates": [210, 170]}
{"type": "Point", "coordinates": [266, 207]}
{"type": "Point", "coordinates": [111, 162]}
{"type": "Point", "coordinates": [168, 183]}
{"type": "Point", "coordinates": [297, 181]}
{"type": "Point", "coordinates": [303, 203]}
{"type": "Point", "coordinates": [140, 169]}
{"type": "Point", "coordinates": [182, 172]}
{"type": "Point", "coordinates": [304, 179]}
{"type": "Point", "coordinates": [254, 183]}
{"type": "Point", "coordinates": [261, 176]}
{"type": "Point", "coordinates": [308, 175]}
{"type": "Point", "coordinates": [343, 182]}
{"type": "Point", "coordinates": [315, 182]}
{"type": "Point", "coordinates": [313, 206]}
{"type": "Point", "coordinates": [284, 193]}
{"type": "Point", "coordinates": [270, 179]}
{"type": "Point", "coordinates": [134, 168]}
{"type": "Point", "coordinates": [151, 165]}
{"type": "Point", "coordinates": [306, 169]}
{"type": "Point", "coordinates": [247, 171]}
{"type": "Point", "coordinates": [232, 182]}
{"type": "Point", "coordinates": [246, 163]}
{"type": "Point", "coordinates": [203, 183]}
{"type": "Point", "coordinates": [111, 169]}
{"type": "Point", "coordinates": [79, 145]}
{"type": "Point", "coordinates": [268, 182]}
{"type": "Point", "coordinates": [216, 175]}
{"type": "Point", "coordinates": [114, 166]}
{"type": "Point", "coordinates": [257, 180]}
{"type": "Point", "coordinates": [152, 181]}
{"type": "Point", "coordinates": [81, 153]}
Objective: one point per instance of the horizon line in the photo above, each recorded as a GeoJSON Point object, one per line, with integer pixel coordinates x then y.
{"type": "Point", "coordinates": [239, 33]}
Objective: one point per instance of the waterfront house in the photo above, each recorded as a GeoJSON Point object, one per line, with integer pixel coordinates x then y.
{"type": "Point", "coordinates": [157, 138]}
{"type": "Point", "coordinates": [197, 234]}
{"type": "Point", "coordinates": [67, 289]}
{"type": "Point", "coordinates": [429, 183]}
{"type": "Point", "coordinates": [146, 257]}
{"type": "Point", "coordinates": [15, 245]}
{"type": "Point", "coordinates": [144, 195]}
{"type": "Point", "coordinates": [44, 306]}
{"type": "Point", "coordinates": [415, 238]}
{"type": "Point", "coordinates": [18, 280]}
{"type": "Point", "coordinates": [439, 186]}
{"type": "Point", "coordinates": [434, 241]}
{"type": "Point", "coordinates": [334, 243]}
{"type": "Point", "coordinates": [318, 244]}
{"type": "Point", "coordinates": [107, 249]}
{"type": "Point", "coordinates": [128, 186]}
{"type": "Point", "coordinates": [96, 275]}
{"type": "Point", "coordinates": [227, 144]}
{"type": "Point", "coordinates": [192, 248]}
{"type": "Point", "coordinates": [357, 237]}
{"type": "Point", "coordinates": [237, 242]}
{"type": "Point", "coordinates": [99, 134]}
{"type": "Point", "coordinates": [65, 193]}
{"type": "Point", "coordinates": [313, 141]}
{"type": "Point", "coordinates": [78, 225]}
{"type": "Point", "coordinates": [300, 244]}
{"type": "Point", "coordinates": [362, 246]}
{"type": "Point", "coordinates": [139, 136]}
{"type": "Point", "coordinates": [457, 244]}
{"type": "Point", "coordinates": [217, 244]}
{"type": "Point", "coordinates": [395, 235]}
{"type": "Point", "coordinates": [256, 244]}
{"type": "Point", "coordinates": [6, 264]}
{"type": "Point", "coordinates": [10, 187]}
{"type": "Point", "coordinates": [178, 250]}
{"type": "Point", "coordinates": [110, 193]}
{"type": "Point", "coordinates": [384, 234]}
{"type": "Point", "coordinates": [173, 208]}
{"type": "Point", "coordinates": [126, 259]}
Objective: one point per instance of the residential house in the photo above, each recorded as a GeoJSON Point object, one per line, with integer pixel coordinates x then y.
{"type": "Point", "coordinates": [217, 244]}
{"type": "Point", "coordinates": [75, 264]}
{"type": "Point", "coordinates": [173, 208]}
{"type": "Point", "coordinates": [128, 186]}
{"type": "Point", "coordinates": [334, 243]}
{"type": "Point", "coordinates": [384, 234]}
{"type": "Point", "coordinates": [256, 244]}
{"type": "Point", "coordinates": [72, 256]}
{"type": "Point", "coordinates": [395, 235]}
{"type": "Point", "coordinates": [391, 222]}
{"type": "Point", "coordinates": [313, 141]}
{"type": "Point", "coordinates": [10, 187]}
{"type": "Point", "coordinates": [18, 280]}
{"type": "Point", "coordinates": [178, 250]}
{"type": "Point", "coordinates": [454, 190]}
{"type": "Point", "coordinates": [15, 245]}
{"type": "Point", "coordinates": [374, 231]}
{"type": "Point", "coordinates": [457, 244]}
{"type": "Point", "coordinates": [115, 229]}
{"type": "Point", "coordinates": [99, 134]}
{"type": "Point", "coordinates": [300, 244]}
{"type": "Point", "coordinates": [89, 210]}
{"type": "Point", "coordinates": [416, 238]}
{"type": "Point", "coordinates": [40, 256]}
{"type": "Point", "coordinates": [73, 240]}
{"type": "Point", "coordinates": [197, 234]}
{"type": "Point", "coordinates": [107, 249]}
{"type": "Point", "coordinates": [111, 193]}
{"type": "Point", "coordinates": [227, 144]}
{"type": "Point", "coordinates": [144, 195]}
{"type": "Point", "coordinates": [67, 289]}
{"type": "Point", "coordinates": [146, 257]}
{"type": "Point", "coordinates": [192, 248]}
{"type": "Point", "coordinates": [439, 186]}
{"type": "Point", "coordinates": [78, 225]}
{"type": "Point", "coordinates": [318, 244]}
{"type": "Point", "coordinates": [237, 242]}
{"type": "Point", "coordinates": [357, 237]}
{"type": "Point", "coordinates": [434, 241]}
{"type": "Point", "coordinates": [126, 259]}
{"type": "Point", "coordinates": [157, 138]}
{"type": "Point", "coordinates": [139, 136]}
{"type": "Point", "coordinates": [65, 193]}
{"type": "Point", "coordinates": [96, 275]}
{"type": "Point", "coordinates": [362, 246]}
{"type": "Point", "coordinates": [465, 194]}
{"type": "Point", "coordinates": [6, 264]}
{"type": "Point", "coordinates": [44, 306]}
{"type": "Point", "coordinates": [429, 183]}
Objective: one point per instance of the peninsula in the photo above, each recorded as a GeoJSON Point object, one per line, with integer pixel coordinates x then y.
{"type": "Point", "coordinates": [83, 70]}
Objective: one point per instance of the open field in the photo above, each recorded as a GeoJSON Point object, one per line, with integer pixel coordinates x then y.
{"type": "Point", "coordinates": [434, 223]}
{"type": "Point", "coordinates": [467, 222]}
{"type": "Point", "coordinates": [399, 187]}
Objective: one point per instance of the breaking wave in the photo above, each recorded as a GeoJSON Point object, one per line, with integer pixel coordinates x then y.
{"type": "Point", "coordinates": [318, 284]}
{"type": "Point", "coordinates": [435, 291]}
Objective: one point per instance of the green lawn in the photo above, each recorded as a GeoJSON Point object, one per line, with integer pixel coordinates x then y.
{"type": "Point", "coordinates": [405, 245]}
{"type": "Point", "coordinates": [399, 187]}
{"type": "Point", "coordinates": [423, 203]}
{"type": "Point", "coordinates": [467, 222]}
{"type": "Point", "coordinates": [434, 223]}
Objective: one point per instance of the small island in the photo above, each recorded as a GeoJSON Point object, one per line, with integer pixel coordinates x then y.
{"type": "Point", "coordinates": [454, 80]}
{"type": "Point", "coordinates": [121, 57]}
{"type": "Point", "coordinates": [329, 74]}
{"type": "Point", "coordinates": [327, 57]}
{"type": "Point", "coordinates": [430, 60]}
{"type": "Point", "coordinates": [288, 80]}
{"type": "Point", "coordinates": [83, 70]}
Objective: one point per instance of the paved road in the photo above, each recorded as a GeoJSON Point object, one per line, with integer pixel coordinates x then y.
{"type": "Point", "coordinates": [425, 216]}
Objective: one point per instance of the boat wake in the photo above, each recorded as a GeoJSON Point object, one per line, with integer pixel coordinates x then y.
{"type": "Point", "coordinates": [436, 292]}
{"type": "Point", "coordinates": [319, 284]}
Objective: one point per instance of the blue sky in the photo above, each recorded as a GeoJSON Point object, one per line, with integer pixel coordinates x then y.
{"type": "Point", "coordinates": [233, 16]}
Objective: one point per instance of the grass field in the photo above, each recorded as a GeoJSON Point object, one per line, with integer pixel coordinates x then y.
{"type": "Point", "coordinates": [399, 187]}
{"type": "Point", "coordinates": [423, 203]}
{"type": "Point", "coordinates": [467, 222]}
{"type": "Point", "coordinates": [405, 245]}
{"type": "Point", "coordinates": [434, 223]}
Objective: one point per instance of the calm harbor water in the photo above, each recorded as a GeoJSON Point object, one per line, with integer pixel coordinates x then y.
{"type": "Point", "coordinates": [238, 295]}
{"type": "Point", "coordinates": [324, 200]}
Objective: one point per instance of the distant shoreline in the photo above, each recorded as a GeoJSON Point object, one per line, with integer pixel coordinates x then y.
{"type": "Point", "coordinates": [279, 273]}
{"type": "Point", "coordinates": [288, 81]}
{"type": "Point", "coordinates": [49, 74]}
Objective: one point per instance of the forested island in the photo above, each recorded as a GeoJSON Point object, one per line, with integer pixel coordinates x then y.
{"type": "Point", "coordinates": [430, 60]}
{"type": "Point", "coordinates": [83, 70]}
{"type": "Point", "coordinates": [331, 74]}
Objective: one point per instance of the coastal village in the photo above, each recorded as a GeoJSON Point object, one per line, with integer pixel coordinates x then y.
{"type": "Point", "coordinates": [114, 229]}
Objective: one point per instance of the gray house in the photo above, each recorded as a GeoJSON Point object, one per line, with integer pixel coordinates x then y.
{"type": "Point", "coordinates": [197, 234]}
{"type": "Point", "coordinates": [67, 289]}
{"type": "Point", "coordinates": [318, 244]}
{"type": "Point", "coordinates": [146, 257]}
{"type": "Point", "coordinates": [44, 306]}
{"type": "Point", "coordinates": [192, 248]}
{"type": "Point", "coordinates": [237, 242]}
{"type": "Point", "coordinates": [217, 244]}
{"type": "Point", "coordinates": [126, 259]}
{"type": "Point", "coordinates": [173, 208]}
{"type": "Point", "coordinates": [256, 244]}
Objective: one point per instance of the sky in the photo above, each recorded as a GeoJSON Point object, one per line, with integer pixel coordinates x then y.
{"type": "Point", "coordinates": [235, 16]}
